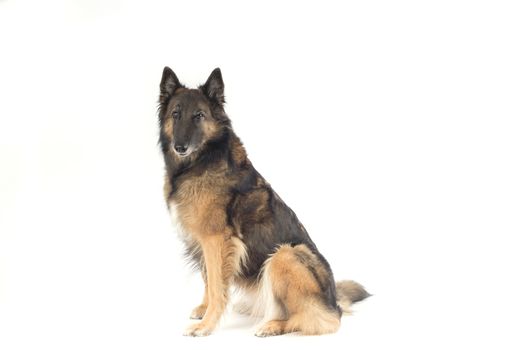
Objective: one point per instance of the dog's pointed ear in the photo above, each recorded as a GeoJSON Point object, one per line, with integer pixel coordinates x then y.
{"type": "Point", "coordinates": [214, 86]}
{"type": "Point", "coordinates": [168, 85]}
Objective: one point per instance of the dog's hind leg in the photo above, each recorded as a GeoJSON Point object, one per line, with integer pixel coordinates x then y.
{"type": "Point", "coordinates": [298, 281]}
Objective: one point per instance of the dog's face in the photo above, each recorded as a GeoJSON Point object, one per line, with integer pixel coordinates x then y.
{"type": "Point", "coordinates": [189, 118]}
{"type": "Point", "coordinates": [192, 121]}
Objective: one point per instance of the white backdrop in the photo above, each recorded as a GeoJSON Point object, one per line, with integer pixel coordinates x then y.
{"type": "Point", "coordinates": [395, 130]}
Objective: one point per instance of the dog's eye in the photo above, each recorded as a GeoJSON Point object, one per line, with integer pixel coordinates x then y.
{"type": "Point", "coordinates": [199, 116]}
{"type": "Point", "coordinates": [175, 115]}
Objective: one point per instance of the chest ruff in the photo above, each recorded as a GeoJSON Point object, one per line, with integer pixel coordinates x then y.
{"type": "Point", "coordinates": [199, 206]}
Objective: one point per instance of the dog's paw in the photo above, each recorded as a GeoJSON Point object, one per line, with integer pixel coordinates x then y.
{"type": "Point", "coordinates": [198, 330]}
{"type": "Point", "coordinates": [198, 312]}
{"type": "Point", "coordinates": [270, 329]}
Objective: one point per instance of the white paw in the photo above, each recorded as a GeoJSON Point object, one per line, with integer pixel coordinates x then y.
{"type": "Point", "coordinates": [198, 312]}
{"type": "Point", "coordinates": [269, 330]}
{"type": "Point", "coordinates": [198, 330]}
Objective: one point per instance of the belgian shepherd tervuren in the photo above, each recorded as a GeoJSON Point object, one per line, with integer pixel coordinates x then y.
{"type": "Point", "coordinates": [236, 228]}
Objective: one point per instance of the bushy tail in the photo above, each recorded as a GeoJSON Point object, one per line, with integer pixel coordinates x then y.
{"type": "Point", "coordinates": [348, 292]}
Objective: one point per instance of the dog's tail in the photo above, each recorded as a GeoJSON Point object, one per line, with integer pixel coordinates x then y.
{"type": "Point", "coordinates": [348, 292]}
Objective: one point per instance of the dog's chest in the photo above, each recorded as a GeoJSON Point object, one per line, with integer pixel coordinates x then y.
{"type": "Point", "coordinates": [199, 206]}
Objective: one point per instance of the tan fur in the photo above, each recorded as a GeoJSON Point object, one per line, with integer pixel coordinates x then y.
{"type": "Point", "coordinates": [212, 248]}
{"type": "Point", "coordinates": [215, 199]}
{"type": "Point", "coordinates": [209, 128]}
{"type": "Point", "coordinates": [223, 257]}
{"type": "Point", "coordinates": [235, 254]}
{"type": "Point", "coordinates": [167, 188]}
{"type": "Point", "coordinates": [200, 205]}
{"type": "Point", "coordinates": [167, 127]}
{"type": "Point", "coordinates": [239, 153]}
{"type": "Point", "coordinates": [200, 211]}
{"type": "Point", "coordinates": [199, 311]}
{"type": "Point", "coordinates": [304, 254]}
{"type": "Point", "coordinates": [297, 292]}
{"type": "Point", "coordinates": [349, 292]}
{"type": "Point", "coordinates": [238, 256]}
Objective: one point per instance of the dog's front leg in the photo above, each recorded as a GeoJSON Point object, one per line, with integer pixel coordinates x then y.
{"type": "Point", "coordinates": [199, 311]}
{"type": "Point", "coordinates": [216, 264]}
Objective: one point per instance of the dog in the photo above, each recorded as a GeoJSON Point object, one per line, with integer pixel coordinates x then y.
{"type": "Point", "coordinates": [236, 229]}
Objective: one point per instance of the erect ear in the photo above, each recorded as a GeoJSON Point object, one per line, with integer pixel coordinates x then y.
{"type": "Point", "coordinates": [168, 84]}
{"type": "Point", "coordinates": [214, 86]}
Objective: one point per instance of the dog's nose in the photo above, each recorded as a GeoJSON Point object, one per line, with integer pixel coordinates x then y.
{"type": "Point", "coordinates": [181, 149]}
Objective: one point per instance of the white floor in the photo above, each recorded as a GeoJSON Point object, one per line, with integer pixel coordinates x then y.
{"type": "Point", "coordinates": [135, 294]}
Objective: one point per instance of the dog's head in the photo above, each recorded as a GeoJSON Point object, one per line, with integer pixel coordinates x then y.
{"type": "Point", "coordinates": [190, 118]}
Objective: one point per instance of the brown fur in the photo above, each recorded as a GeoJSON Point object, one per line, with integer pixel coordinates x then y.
{"type": "Point", "coordinates": [200, 207]}
{"type": "Point", "coordinates": [237, 230]}
{"type": "Point", "coordinates": [199, 311]}
{"type": "Point", "coordinates": [200, 203]}
{"type": "Point", "coordinates": [299, 295]}
{"type": "Point", "coordinates": [349, 292]}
